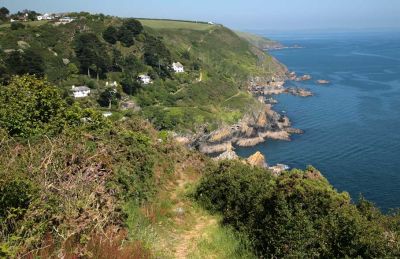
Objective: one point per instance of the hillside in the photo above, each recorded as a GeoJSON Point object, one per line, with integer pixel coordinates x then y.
{"type": "Point", "coordinates": [75, 183]}
{"type": "Point", "coordinates": [212, 92]}
{"type": "Point", "coordinates": [258, 41]}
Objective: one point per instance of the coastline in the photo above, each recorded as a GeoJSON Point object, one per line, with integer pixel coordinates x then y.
{"type": "Point", "coordinates": [257, 126]}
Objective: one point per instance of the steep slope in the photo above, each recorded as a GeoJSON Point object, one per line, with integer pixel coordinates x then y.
{"type": "Point", "coordinates": [211, 93]}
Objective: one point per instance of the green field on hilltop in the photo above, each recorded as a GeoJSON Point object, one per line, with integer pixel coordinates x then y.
{"type": "Point", "coordinates": [168, 24]}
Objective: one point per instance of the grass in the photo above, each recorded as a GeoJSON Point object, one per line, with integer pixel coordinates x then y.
{"type": "Point", "coordinates": [167, 24]}
{"type": "Point", "coordinates": [222, 242]}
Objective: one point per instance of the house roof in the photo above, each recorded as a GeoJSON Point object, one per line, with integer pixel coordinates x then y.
{"type": "Point", "coordinates": [177, 64]}
{"type": "Point", "coordinates": [80, 88]}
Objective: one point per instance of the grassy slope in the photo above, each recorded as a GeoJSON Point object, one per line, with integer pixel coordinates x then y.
{"type": "Point", "coordinates": [213, 96]}
{"type": "Point", "coordinates": [227, 62]}
{"type": "Point", "coordinates": [258, 41]}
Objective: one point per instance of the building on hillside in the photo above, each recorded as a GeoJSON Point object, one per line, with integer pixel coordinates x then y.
{"type": "Point", "coordinates": [113, 84]}
{"type": "Point", "coordinates": [178, 67]}
{"type": "Point", "coordinates": [80, 91]}
{"type": "Point", "coordinates": [46, 16]}
{"type": "Point", "coordinates": [145, 79]}
{"type": "Point", "coordinates": [65, 20]}
{"type": "Point", "coordinates": [211, 23]}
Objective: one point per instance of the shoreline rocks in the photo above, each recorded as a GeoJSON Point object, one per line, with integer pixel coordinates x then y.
{"type": "Point", "coordinates": [258, 160]}
{"type": "Point", "coordinates": [253, 129]}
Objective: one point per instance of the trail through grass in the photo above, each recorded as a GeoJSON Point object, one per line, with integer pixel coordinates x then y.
{"type": "Point", "coordinates": [188, 231]}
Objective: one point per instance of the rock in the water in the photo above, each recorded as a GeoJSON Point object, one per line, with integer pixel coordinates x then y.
{"type": "Point", "coordinates": [257, 159]}
{"type": "Point", "coordinates": [323, 82]}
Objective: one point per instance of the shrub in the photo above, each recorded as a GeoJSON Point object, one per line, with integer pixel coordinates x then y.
{"type": "Point", "coordinates": [30, 106]}
{"type": "Point", "coordinates": [17, 26]}
{"type": "Point", "coordinates": [297, 214]}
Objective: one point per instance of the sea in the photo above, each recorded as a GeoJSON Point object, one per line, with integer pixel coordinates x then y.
{"type": "Point", "coordinates": [352, 125]}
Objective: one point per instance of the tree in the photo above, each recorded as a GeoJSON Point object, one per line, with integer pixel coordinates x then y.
{"type": "Point", "coordinates": [30, 106]}
{"type": "Point", "coordinates": [157, 56]}
{"type": "Point", "coordinates": [91, 53]}
{"type": "Point", "coordinates": [28, 62]}
{"type": "Point", "coordinates": [126, 37]}
{"type": "Point", "coordinates": [109, 97]}
{"type": "Point", "coordinates": [130, 85]}
{"type": "Point", "coordinates": [4, 12]}
{"type": "Point", "coordinates": [110, 35]}
{"type": "Point", "coordinates": [128, 31]}
{"type": "Point", "coordinates": [133, 25]}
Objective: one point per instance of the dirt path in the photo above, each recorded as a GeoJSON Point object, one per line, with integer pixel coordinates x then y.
{"type": "Point", "coordinates": [195, 221]}
{"type": "Point", "coordinates": [191, 237]}
{"type": "Point", "coordinates": [233, 96]}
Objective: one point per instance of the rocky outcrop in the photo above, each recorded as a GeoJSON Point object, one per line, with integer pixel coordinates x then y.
{"type": "Point", "coordinates": [249, 142]}
{"type": "Point", "coordinates": [228, 155]}
{"type": "Point", "coordinates": [253, 129]}
{"type": "Point", "coordinates": [258, 160]}
{"type": "Point", "coordinates": [299, 92]}
{"type": "Point", "coordinates": [211, 148]}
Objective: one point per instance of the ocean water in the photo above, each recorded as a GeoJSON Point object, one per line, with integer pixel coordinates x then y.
{"type": "Point", "coordinates": [352, 126]}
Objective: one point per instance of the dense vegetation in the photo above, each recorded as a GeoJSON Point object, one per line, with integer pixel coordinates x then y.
{"type": "Point", "coordinates": [96, 49]}
{"type": "Point", "coordinates": [73, 182]}
{"type": "Point", "coordinates": [297, 214]}
{"type": "Point", "coordinates": [76, 184]}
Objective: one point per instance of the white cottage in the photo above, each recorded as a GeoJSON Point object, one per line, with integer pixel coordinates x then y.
{"type": "Point", "coordinates": [80, 91]}
{"type": "Point", "coordinates": [145, 79]}
{"type": "Point", "coordinates": [65, 20]}
{"type": "Point", "coordinates": [45, 16]}
{"type": "Point", "coordinates": [178, 67]}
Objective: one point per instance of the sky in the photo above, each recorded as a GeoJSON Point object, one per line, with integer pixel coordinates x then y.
{"type": "Point", "coordinates": [239, 14]}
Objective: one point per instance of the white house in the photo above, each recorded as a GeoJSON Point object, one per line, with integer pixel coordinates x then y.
{"type": "Point", "coordinates": [178, 67]}
{"type": "Point", "coordinates": [80, 91]}
{"type": "Point", "coordinates": [65, 20]}
{"type": "Point", "coordinates": [45, 16]}
{"type": "Point", "coordinates": [144, 79]}
{"type": "Point", "coordinates": [114, 84]}
{"type": "Point", "coordinates": [211, 23]}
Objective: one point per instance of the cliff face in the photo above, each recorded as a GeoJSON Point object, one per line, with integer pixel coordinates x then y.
{"type": "Point", "coordinates": [253, 129]}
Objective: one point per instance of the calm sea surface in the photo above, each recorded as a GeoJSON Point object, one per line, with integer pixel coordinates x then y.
{"type": "Point", "coordinates": [352, 126]}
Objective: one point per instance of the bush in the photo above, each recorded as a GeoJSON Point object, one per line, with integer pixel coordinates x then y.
{"type": "Point", "coordinates": [17, 26]}
{"type": "Point", "coordinates": [297, 214]}
{"type": "Point", "coordinates": [30, 106]}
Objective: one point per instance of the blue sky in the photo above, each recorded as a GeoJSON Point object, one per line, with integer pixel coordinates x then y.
{"type": "Point", "coordinates": [247, 14]}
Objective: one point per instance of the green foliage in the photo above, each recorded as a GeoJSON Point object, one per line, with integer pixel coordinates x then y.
{"type": "Point", "coordinates": [111, 35]}
{"type": "Point", "coordinates": [128, 31]}
{"type": "Point", "coordinates": [17, 26]}
{"type": "Point", "coordinates": [30, 106]}
{"type": "Point", "coordinates": [133, 26]}
{"type": "Point", "coordinates": [296, 214]}
{"type": "Point", "coordinates": [27, 62]}
{"type": "Point", "coordinates": [4, 12]}
{"type": "Point", "coordinates": [76, 183]}
{"type": "Point", "coordinates": [15, 196]}
{"type": "Point", "coordinates": [157, 56]}
{"type": "Point", "coordinates": [109, 97]}
{"type": "Point", "coordinates": [91, 54]}
{"type": "Point", "coordinates": [130, 85]}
